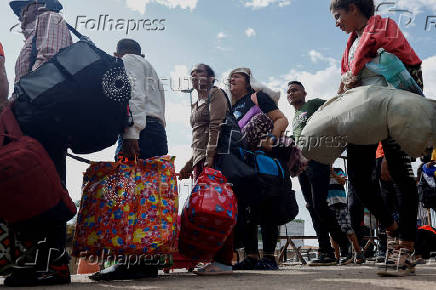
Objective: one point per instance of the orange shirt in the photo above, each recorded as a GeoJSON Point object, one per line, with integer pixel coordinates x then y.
{"type": "Point", "coordinates": [428, 228]}
{"type": "Point", "coordinates": [379, 153]}
{"type": "Point", "coordinates": [2, 53]}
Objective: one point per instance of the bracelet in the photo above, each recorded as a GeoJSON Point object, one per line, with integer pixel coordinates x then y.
{"type": "Point", "coordinates": [273, 138]}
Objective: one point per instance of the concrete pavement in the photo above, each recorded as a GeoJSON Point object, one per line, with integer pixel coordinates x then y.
{"type": "Point", "coordinates": [290, 277]}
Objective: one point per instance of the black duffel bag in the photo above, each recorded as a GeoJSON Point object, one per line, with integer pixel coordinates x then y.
{"type": "Point", "coordinates": [270, 196]}
{"type": "Point", "coordinates": [79, 97]}
{"type": "Point", "coordinates": [427, 192]}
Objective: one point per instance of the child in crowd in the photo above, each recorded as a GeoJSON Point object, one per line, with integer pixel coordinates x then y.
{"type": "Point", "coordinates": [337, 201]}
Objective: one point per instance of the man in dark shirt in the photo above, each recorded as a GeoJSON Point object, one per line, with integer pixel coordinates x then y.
{"type": "Point", "coordinates": [314, 182]}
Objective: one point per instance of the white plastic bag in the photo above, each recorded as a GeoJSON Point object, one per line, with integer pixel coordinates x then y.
{"type": "Point", "coordinates": [367, 115]}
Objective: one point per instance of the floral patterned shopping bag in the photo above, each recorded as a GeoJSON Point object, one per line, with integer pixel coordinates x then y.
{"type": "Point", "coordinates": [128, 208]}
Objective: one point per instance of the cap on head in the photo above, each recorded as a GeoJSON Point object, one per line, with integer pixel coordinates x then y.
{"type": "Point", "coordinates": [18, 5]}
{"type": "Point", "coordinates": [243, 70]}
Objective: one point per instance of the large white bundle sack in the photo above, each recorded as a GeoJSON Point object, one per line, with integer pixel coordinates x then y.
{"type": "Point", "coordinates": [367, 115]}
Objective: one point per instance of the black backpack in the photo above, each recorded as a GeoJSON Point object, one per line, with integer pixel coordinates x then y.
{"type": "Point", "coordinates": [79, 97]}
{"type": "Point", "coordinates": [228, 158]}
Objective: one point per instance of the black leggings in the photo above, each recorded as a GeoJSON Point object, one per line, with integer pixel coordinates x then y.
{"type": "Point", "coordinates": [48, 230]}
{"type": "Point", "coordinates": [270, 234]}
{"type": "Point", "coordinates": [361, 163]}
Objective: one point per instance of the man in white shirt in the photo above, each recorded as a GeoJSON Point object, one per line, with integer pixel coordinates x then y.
{"type": "Point", "coordinates": [146, 137]}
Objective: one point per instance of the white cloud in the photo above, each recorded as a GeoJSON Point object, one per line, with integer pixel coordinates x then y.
{"type": "Point", "coordinates": [221, 35]}
{"type": "Point", "coordinates": [178, 109]}
{"type": "Point", "coordinates": [417, 6]}
{"type": "Point", "coordinates": [429, 76]}
{"type": "Point", "coordinates": [222, 81]}
{"type": "Point", "coordinates": [177, 113]}
{"type": "Point", "coordinates": [321, 84]}
{"type": "Point", "coordinates": [224, 49]}
{"type": "Point", "coordinates": [258, 4]}
{"type": "Point", "coordinates": [316, 56]}
{"type": "Point", "coordinates": [284, 3]}
{"type": "Point", "coordinates": [250, 32]}
{"type": "Point", "coordinates": [140, 5]}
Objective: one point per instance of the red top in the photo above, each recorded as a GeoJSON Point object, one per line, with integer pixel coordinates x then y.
{"type": "Point", "coordinates": [2, 53]}
{"type": "Point", "coordinates": [379, 33]}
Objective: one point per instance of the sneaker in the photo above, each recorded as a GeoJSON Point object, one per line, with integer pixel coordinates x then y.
{"type": "Point", "coordinates": [345, 261]}
{"type": "Point", "coordinates": [214, 269]}
{"type": "Point", "coordinates": [123, 272]}
{"type": "Point", "coordinates": [324, 259]}
{"type": "Point", "coordinates": [359, 258]}
{"type": "Point", "coordinates": [392, 245]}
{"type": "Point", "coordinates": [399, 264]}
{"type": "Point", "coordinates": [380, 258]}
{"type": "Point", "coordinates": [421, 261]}
{"type": "Point", "coordinates": [267, 264]}
{"type": "Point", "coordinates": [247, 264]}
{"type": "Point", "coordinates": [57, 273]}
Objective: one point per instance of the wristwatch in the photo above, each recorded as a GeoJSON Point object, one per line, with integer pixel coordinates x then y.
{"type": "Point", "coordinates": [273, 138]}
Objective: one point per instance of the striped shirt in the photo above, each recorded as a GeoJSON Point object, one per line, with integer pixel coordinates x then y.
{"type": "Point", "coordinates": [52, 35]}
{"type": "Point", "coordinates": [336, 193]}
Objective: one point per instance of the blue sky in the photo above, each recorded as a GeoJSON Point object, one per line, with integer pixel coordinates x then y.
{"type": "Point", "coordinates": [280, 40]}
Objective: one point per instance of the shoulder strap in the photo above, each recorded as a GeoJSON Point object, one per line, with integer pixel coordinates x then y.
{"type": "Point", "coordinates": [80, 159]}
{"type": "Point", "coordinates": [75, 32]}
{"type": "Point", "coordinates": [80, 36]}
{"type": "Point", "coordinates": [34, 53]}
{"type": "Point", "coordinates": [229, 105]}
